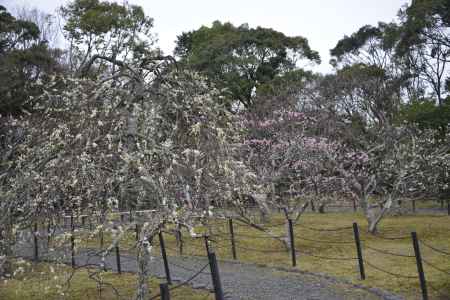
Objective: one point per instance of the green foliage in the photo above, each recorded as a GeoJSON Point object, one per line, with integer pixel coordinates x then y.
{"type": "Point", "coordinates": [24, 60]}
{"type": "Point", "coordinates": [367, 45]}
{"type": "Point", "coordinates": [241, 59]}
{"type": "Point", "coordinates": [114, 30]}
{"type": "Point", "coordinates": [425, 43]}
{"type": "Point", "coordinates": [427, 115]}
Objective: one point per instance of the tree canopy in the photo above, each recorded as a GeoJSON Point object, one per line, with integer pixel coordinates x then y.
{"type": "Point", "coordinates": [241, 60]}
{"type": "Point", "coordinates": [24, 58]}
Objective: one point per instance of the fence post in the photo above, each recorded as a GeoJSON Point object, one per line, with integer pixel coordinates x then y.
{"type": "Point", "coordinates": [119, 267]}
{"type": "Point", "coordinates": [164, 291]}
{"type": "Point", "coordinates": [414, 206]}
{"type": "Point", "coordinates": [121, 217]}
{"type": "Point", "coordinates": [448, 207]}
{"type": "Point", "coordinates": [35, 240]}
{"type": "Point", "coordinates": [90, 222]}
{"type": "Point", "coordinates": [359, 251]}
{"type": "Point", "coordinates": [72, 249]}
{"type": "Point", "coordinates": [164, 256]}
{"type": "Point", "coordinates": [131, 216]}
{"type": "Point", "coordinates": [180, 239]}
{"type": "Point", "coordinates": [233, 243]}
{"type": "Point", "coordinates": [72, 241]}
{"type": "Point", "coordinates": [208, 250]}
{"type": "Point", "coordinates": [49, 230]}
{"type": "Point", "coordinates": [136, 231]}
{"type": "Point", "coordinates": [215, 276]}
{"type": "Point", "coordinates": [101, 237]}
{"type": "Point", "coordinates": [291, 237]}
{"type": "Point", "coordinates": [423, 284]}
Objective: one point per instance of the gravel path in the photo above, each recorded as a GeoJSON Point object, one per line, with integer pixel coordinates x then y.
{"type": "Point", "coordinates": [239, 281]}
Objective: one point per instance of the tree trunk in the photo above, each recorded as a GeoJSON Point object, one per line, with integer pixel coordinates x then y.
{"type": "Point", "coordinates": [322, 208]}
{"type": "Point", "coordinates": [143, 270]}
{"type": "Point", "coordinates": [313, 207]}
{"type": "Point", "coordinates": [374, 213]}
{"type": "Point", "coordinates": [372, 223]}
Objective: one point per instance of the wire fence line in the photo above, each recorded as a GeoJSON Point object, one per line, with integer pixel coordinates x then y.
{"type": "Point", "coordinates": [231, 240]}
{"type": "Point", "coordinates": [326, 257]}
{"type": "Point", "coordinates": [324, 242]}
{"type": "Point", "coordinates": [260, 250]}
{"type": "Point", "coordinates": [324, 229]}
{"type": "Point", "coordinates": [435, 267]}
{"type": "Point", "coordinates": [389, 272]}
{"type": "Point", "coordinates": [395, 238]}
{"type": "Point", "coordinates": [387, 252]}
{"type": "Point", "coordinates": [190, 279]}
{"type": "Point", "coordinates": [434, 248]}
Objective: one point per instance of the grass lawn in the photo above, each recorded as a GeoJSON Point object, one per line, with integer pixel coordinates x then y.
{"type": "Point", "coordinates": [254, 246]}
{"type": "Point", "coordinates": [48, 281]}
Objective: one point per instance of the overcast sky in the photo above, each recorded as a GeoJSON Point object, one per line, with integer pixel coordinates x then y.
{"type": "Point", "coordinates": [323, 22]}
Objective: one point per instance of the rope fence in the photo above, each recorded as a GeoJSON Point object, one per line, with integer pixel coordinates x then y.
{"type": "Point", "coordinates": [232, 241]}
{"type": "Point", "coordinates": [386, 252]}
{"type": "Point", "coordinates": [186, 282]}
{"type": "Point", "coordinates": [389, 272]}
{"type": "Point", "coordinates": [434, 248]}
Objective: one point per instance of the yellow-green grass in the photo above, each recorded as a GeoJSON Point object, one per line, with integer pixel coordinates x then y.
{"type": "Point", "coordinates": [49, 281]}
{"type": "Point", "coordinates": [434, 230]}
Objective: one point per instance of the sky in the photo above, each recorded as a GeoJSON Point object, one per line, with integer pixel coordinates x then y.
{"type": "Point", "coordinates": [322, 22]}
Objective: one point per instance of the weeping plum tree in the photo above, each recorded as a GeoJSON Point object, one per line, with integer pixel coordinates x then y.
{"type": "Point", "coordinates": [75, 152]}
{"type": "Point", "coordinates": [123, 127]}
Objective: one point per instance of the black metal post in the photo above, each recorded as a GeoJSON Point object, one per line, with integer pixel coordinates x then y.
{"type": "Point", "coordinates": [215, 276]}
{"type": "Point", "coordinates": [423, 284]}
{"type": "Point", "coordinates": [119, 266]}
{"type": "Point", "coordinates": [83, 221]}
{"type": "Point", "coordinates": [90, 223]}
{"type": "Point", "coordinates": [49, 230]}
{"type": "Point", "coordinates": [359, 251]}
{"type": "Point", "coordinates": [101, 238]}
{"type": "Point", "coordinates": [72, 240]}
{"type": "Point", "coordinates": [414, 206]}
{"type": "Point", "coordinates": [208, 250]}
{"type": "Point", "coordinates": [164, 291]}
{"type": "Point", "coordinates": [180, 242]}
{"type": "Point", "coordinates": [136, 230]}
{"type": "Point", "coordinates": [448, 207]}
{"type": "Point", "coordinates": [131, 216]}
{"type": "Point", "coordinates": [164, 256]}
{"type": "Point", "coordinates": [233, 243]}
{"type": "Point", "coordinates": [35, 240]}
{"type": "Point", "coordinates": [72, 248]}
{"type": "Point", "coordinates": [291, 237]}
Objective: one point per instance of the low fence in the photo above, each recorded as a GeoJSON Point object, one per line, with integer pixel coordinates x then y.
{"type": "Point", "coordinates": [232, 240]}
